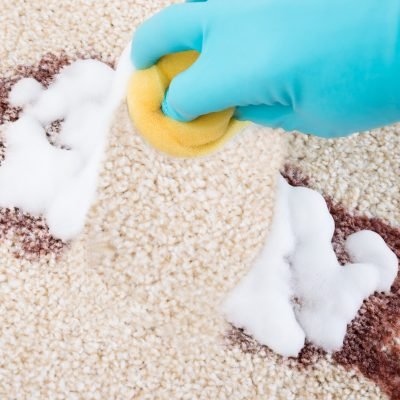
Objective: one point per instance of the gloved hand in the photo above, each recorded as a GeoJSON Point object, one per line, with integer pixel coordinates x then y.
{"type": "Point", "coordinates": [323, 67]}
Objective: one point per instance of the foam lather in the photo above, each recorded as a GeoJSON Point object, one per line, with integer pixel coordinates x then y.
{"type": "Point", "coordinates": [146, 93]}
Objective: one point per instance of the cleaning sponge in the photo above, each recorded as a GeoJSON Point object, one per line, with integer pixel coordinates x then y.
{"type": "Point", "coordinates": [180, 139]}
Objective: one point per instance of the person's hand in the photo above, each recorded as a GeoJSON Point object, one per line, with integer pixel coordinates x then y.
{"type": "Point", "coordinates": [323, 67]}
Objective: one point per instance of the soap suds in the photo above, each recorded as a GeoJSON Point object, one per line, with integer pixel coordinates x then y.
{"type": "Point", "coordinates": [25, 92]}
{"type": "Point", "coordinates": [261, 303]}
{"type": "Point", "coordinates": [58, 181]}
{"type": "Point", "coordinates": [371, 343]}
{"type": "Point", "coordinates": [43, 72]}
{"type": "Point", "coordinates": [298, 262]}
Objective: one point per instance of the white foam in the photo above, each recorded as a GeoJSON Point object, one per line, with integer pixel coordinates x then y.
{"type": "Point", "coordinates": [297, 288]}
{"type": "Point", "coordinates": [262, 301]}
{"type": "Point", "coordinates": [25, 92]}
{"type": "Point", "coordinates": [60, 182]}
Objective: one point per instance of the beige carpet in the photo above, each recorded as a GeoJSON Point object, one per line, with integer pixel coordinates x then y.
{"type": "Point", "coordinates": [130, 309]}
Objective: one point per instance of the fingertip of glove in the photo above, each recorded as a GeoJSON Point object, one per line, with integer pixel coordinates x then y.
{"type": "Point", "coordinates": [170, 112]}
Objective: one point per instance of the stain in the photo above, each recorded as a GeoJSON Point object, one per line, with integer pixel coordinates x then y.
{"type": "Point", "coordinates": [29, 235]}
{"type": "Point", "coordinates": [371, 345]}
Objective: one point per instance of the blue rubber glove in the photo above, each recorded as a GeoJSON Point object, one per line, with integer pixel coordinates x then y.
{"type": "Point", "coordinates": [324, 67]}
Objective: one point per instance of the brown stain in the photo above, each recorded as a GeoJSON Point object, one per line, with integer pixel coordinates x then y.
{"type": "Point", "coordinates": [237, 337]}
{"type": "Point", "coordinates": [30, 235]}
{"type": "Point", "coordinates": [44, 72]}
{"type": "Point", "coordinates": [52, 131]}
{"type": "Point", "coordinates": [370, 341]}
{"type": "Point", "coordinates": [370, 344]}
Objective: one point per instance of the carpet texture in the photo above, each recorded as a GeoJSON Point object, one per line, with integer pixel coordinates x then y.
{"type": "Point", "coordinates": [130, 308]}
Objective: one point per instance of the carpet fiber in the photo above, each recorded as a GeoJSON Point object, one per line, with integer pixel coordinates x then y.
{"type": "Point", "coordinates": [130, 308]}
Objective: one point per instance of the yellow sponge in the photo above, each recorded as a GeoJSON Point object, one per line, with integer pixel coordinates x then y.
{"type": "Point", "coordinates": [181, 139]}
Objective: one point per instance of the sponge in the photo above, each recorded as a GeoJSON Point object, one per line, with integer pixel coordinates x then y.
{"type": "Point", "coordinates": [146, 93]}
